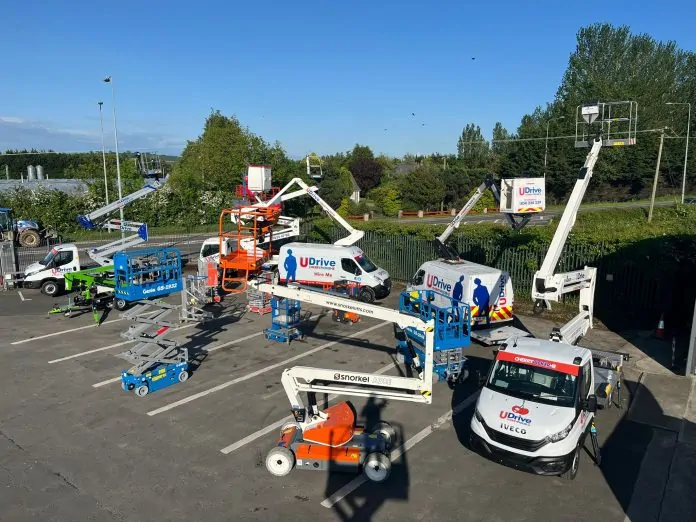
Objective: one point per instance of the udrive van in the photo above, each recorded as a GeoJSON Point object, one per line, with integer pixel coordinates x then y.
{"type": "Point", "coordinates": [319, 265]}
{"type": "Point", "coordinates": [487, 291]}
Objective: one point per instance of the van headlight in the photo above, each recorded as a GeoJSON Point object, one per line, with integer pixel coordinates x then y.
{"type": "Point", "coordinates": [561, 434]}
{"type": "Point", "coordinates": [478, 416]}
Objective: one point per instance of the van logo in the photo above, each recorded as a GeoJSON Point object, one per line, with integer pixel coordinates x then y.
{"type": "Point", "coordinates": [435, 282]}
{"type": "Point", "coordinates": [529, 190]}
{"type": "Point", "coordinates": [319, 262]}
{"type": "Point", "coordinates": [520, 410]}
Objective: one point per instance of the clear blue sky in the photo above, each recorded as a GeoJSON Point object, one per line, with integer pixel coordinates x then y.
{"type": "Point", "coordinates": [315, 75]}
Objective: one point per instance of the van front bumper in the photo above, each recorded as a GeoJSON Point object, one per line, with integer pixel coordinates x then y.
{"type": "Point", "coordinates": [383, 290]}
{"type": "Point", "coordinates": [539, 465]}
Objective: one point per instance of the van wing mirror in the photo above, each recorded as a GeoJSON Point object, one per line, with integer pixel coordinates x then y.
{"type": "Point", "coordinates": [591, 404]}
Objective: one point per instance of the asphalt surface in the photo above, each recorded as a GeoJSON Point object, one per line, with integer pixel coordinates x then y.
{"type": "Point", "coordinates": [74, 446]}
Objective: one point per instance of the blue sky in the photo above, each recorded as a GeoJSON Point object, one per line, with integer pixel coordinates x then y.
{"type": "Point", "coordinates": [316, 76]}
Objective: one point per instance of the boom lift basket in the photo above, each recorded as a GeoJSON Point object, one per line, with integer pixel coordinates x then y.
{"type": "Point", "coordinates": [147, 273]}
{"type": "Point", "coordinates": [617, 122]}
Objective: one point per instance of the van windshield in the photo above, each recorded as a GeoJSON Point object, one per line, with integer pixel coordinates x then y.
{"type": "Point", "coordinates": [49, 257]}
{"type": "Point", "coordinates": [365, 263]}
{"type": "Point", "coordinates": [533, 383]}
{"type": "Point", "coordinates": [210, 250]}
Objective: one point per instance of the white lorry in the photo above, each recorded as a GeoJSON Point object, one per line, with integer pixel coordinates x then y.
{"type": "Point", "coordinates": [539, 400]}
{"type": "Point", "coordinates": [323, 265]}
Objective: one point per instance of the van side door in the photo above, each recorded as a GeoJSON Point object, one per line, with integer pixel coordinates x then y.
{"type": "Point", "coordinates": [350, 270]}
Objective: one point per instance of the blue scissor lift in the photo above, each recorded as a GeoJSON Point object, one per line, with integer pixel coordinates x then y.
{"type": "Point", "coordinates": [142, 275]}
{"type": "Point", "coordinates": [452, 335]}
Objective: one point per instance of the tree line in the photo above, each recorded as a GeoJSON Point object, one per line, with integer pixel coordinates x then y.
{"type": "Point", "coordinates": [609, 63]}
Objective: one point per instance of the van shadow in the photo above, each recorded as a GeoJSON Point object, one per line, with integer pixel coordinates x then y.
{"type": "Point", "coordinates": [363, 503]}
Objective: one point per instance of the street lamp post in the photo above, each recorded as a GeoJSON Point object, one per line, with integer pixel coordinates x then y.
{"type": "Point", "coordinates": [118, 163]}
{"type": "Point", "coordinates": [101, 121]}
{"type": "Point", "coordinates": [546, 147]}
{"type": "Point", "coordinates": [686, 152]}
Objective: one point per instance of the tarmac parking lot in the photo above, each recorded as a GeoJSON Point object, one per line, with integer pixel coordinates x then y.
{"type": "Point", "coordinates": [75, 446]}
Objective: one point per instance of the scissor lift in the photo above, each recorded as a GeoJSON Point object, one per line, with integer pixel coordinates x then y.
{"type": "Point", "coordinates": [157, 362]}
{"type": "Point", "coordinates": [451, 335]}
{"type": "Point", "coordinates": [285, 320]}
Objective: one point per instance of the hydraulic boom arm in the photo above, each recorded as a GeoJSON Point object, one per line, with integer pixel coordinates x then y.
{"type": "Point", "coordinates": [547, 285]}
{"type": "Point", "coordinates": [354, 235]}
{"type": "Point", "coordinates": [316, 380]}
{"type": "Point", "coordinates": [87, 220]}
{"type": "Point", "coordinates": [449, 253]}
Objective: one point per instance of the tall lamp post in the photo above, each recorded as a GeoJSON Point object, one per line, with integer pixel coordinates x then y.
{"type": "Point", "coordinates": [546, 148]}
{"type": "Point", "coordinates": [686, 152]}
{"type": "Point", "coordinates": [101, 121]}
{"type": "Point", "coordinates": [118, 163]}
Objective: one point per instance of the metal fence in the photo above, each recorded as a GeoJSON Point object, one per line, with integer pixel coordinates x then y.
{"type": "Point", "coordinates": [632, 290]}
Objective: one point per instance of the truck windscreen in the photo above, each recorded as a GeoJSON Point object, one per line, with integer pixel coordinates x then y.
{"type": "Point", "coordinates": [365, 263]}
{"type": "Point", "coordinates": [533, 383]}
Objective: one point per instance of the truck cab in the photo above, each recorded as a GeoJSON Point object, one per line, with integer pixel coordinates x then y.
{"type": "Point", "coordinates": [536, 407]}
{"type": "Point", "coordinates": [49, 273]}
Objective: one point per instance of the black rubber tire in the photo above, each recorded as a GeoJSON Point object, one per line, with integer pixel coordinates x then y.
{"type": "Point", "coordinates": [120, 304]}
{"type": "Point", "coordinates": [29, 238]}
{"type": "Point", "coordinates": [50, 288]}
{"type": "Point", "coordinates": [572, 471]}
{"type": "Point", "coordinates": [367, 295]}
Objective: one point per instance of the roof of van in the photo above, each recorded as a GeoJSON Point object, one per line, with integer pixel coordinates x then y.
{"type": "Point", "coordinates": [549, 350]}
{"type": "Point", "coordinates": [462, 267]}
{"type": "Point", "coordinates": [317, 246]}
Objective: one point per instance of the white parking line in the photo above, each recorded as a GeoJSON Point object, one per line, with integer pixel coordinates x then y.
{"type": "Point", "coordinates": [21, 296]}
{"type": "Point", "coordinates": [259, 372]}
{"type": "Point", "coordinates": [116, 379]}
{"type": "Point", "coordinates": [418, 437]}
{"type": "Point", "coordinates": [105, 348]}
{"type": "Point", "coordinates": [63, 332]}
{"type": "Point", "coordinates": [104, 383]}
{"type": "Point", "coordinates": [263, 431]}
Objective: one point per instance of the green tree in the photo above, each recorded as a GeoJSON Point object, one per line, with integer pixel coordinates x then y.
{"type": "Point", "coordinates": [472, 148]}
{"type": "Point", "coordinates": [423, 188]}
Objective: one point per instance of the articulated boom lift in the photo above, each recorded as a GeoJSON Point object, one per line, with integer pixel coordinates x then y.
{"type": "Point", "coordinates": [103, 254]}
{"type": "Point", "coordinates": [331, 439]}
{"type": "Point", "coordinates": [448, 252]}
{"type": "Point", "coordinates": [548, 286]}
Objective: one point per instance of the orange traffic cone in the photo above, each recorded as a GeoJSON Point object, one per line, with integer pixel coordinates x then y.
{"type": "Point", "coordinates": [660, 332]}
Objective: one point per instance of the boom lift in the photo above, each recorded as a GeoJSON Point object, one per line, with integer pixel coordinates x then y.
{"type": "Point", "coordinates": [103, 254]}
{"type": "Point", "coordinates": [332, 439]}
{"type": "Point", "coordinates": [548, 286]}
{"type": "Point", "coordinates": [448, 252]}
{"type": "Point", "coordinates": [255, 231]}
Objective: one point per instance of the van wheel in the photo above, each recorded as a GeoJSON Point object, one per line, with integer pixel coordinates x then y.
{"type": "Point", "coordinates": [50, 288]}
{"type": "Point", "coordinates": [572, 471]}
{"type": "Point", "coordinates": [367, 295]}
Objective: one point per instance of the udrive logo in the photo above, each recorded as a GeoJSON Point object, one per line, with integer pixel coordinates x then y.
{"type": "Point", "coordinates": [529, 190]}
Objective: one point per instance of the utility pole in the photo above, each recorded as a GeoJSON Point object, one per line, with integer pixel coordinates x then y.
{"type": "Point", "coordinates": [657, 173]}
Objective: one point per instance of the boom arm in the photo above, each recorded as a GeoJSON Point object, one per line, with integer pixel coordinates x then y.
{"type": "Point", "coordinates": [448, 252]}
{"type": "Point", "coordinates": [87, 220]}
{"type": "Point", "coordinates": [354, 235]}
{"type": "Point", "coordinates": [549, 286]}
{"type": "Point", "coordinates": [312, 380]}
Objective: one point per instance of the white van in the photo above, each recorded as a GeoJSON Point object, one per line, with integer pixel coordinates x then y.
{"type": "Point", "coordinates": [486, 290]}
{"type": "Point", "coordinates": [320, 265]}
